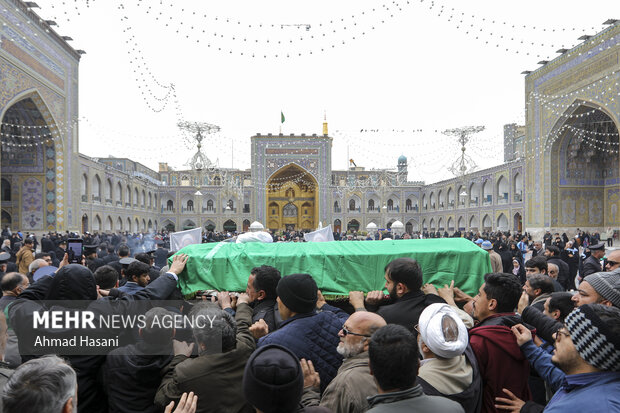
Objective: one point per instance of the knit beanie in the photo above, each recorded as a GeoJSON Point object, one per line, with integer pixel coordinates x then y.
{"type": "Point", "coordinates": [593, 339]}
{"type": "Point", "coordinates": [298, 292]}
{"type": "Point", "coordinates": [273, 380]}
{"type": "Point", "coordinates": [607, 285]}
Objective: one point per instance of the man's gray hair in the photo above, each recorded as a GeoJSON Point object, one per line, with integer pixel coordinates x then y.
{"type": "Point", "coordinates": [36, 264]}
{"type": "Point", "coordinates": [40, 385]}
{"type": "Point", "coordinates": [220, 328]}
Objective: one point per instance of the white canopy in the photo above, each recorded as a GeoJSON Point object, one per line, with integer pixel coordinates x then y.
{"type": "Point", "coordinates": [397, 225]}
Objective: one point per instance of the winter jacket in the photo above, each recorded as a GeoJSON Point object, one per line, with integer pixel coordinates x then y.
{"type": "Point", "coordinates": [591, 265]}
{"type": "Point", "coordinates": [496, 261]}
{"type": "Point", "coordinates": [444, 371]}
{"type": "Point", "coordinates": [497, 352]}
{"type": "Point", "coordinates": [313, 336]}
{"type": "Point", "coordinates": [267, 310]}
{"type": "Point", "coordinates": [131, 376]}
{"type": "Point", "coordinates": [412, 400]}
{"type": "Point", "coordinates": [540, 360]}
{"type": "Point", "coordinates": [215, 378]}
{"type": "Point", "coordinates": [588, 392]}
{"type": "Point", "coordinates": [24, 258]}
{"type": "Point", "coordinates": [130, 288]}
{"type": "Point", "coordinates": [349, 390]}
{"type": "Point", "coordinates": [406, 310]}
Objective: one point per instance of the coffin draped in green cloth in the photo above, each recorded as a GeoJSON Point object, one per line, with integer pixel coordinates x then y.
{"type": "Point", "coordinates": [338, 266]}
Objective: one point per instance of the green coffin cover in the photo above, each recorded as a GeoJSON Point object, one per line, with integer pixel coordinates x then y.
{"type": "Point", "coordinates": [337, 266]}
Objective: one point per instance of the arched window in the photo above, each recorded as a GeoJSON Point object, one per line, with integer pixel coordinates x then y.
{"type": "Point", "coordinates": [190, 205]}
{"type": "Point", "coordinates": [274, 208]}
{"type": "Point", "coordinates": [390, 204]}
{"type": "Point", "coordinates": [97, 189]}
{"type": "Point", "coordinates": [118, 195]}
{"type": "Point", "coordinates": [84, 187]}
{"type": "Point", "coordinates": [108, 194]}
{"type": "Point", "coordinates": [6, 190]}
{"type": "Point", "coordinates": [336, 206]}
{"type": "Point", "coordinates": [408, 204]}
{"type": "Point", "coordinates": [210, 205]}
{"type": "Point", "coordinates": [289, 210]}
{"type": "Point", "coordinates": [170, 205]}
{"type": "Point", "coordinates": [352, 205]}
{"type": "Point", "coordinates": [371, 204]}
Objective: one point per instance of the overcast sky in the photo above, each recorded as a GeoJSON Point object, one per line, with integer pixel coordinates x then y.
{"type": "Point", "coordinates": [397, 67]}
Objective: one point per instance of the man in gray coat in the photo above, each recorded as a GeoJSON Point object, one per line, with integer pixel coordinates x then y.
{"type": "Point", "coordinates": [348, 392]}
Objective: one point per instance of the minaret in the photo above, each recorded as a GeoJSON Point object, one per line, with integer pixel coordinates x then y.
{"type": "Point", "coordinates": [325, 123]}
{"type": "Point", "coordinates": [402, 169]}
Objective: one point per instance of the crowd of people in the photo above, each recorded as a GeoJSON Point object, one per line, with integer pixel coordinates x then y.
{"type": "Point", "coordinates": [541, 334]}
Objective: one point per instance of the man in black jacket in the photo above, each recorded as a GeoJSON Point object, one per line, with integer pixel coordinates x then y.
{"type": "Point", "coordinates": [403, 280]}
{"type": "Point", "coordinates": [160, 254]}
{"type": "Point", "coordinates": [592, 264]}
{"type": "Point", "coordinates": [262, 291]}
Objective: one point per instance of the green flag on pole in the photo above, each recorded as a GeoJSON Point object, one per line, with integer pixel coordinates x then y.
{"type": "Point", "coordinates": [281, 117]}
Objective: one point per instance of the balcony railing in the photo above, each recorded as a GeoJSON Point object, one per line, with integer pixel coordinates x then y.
{"type": "Point", "coordinates": [96, 198]}
{"type": "Point", "coordinates": [119, 203]}
{"type": "Point", "coordinates": [393, 208]}
{"type": "Point", "coordinates": [485, 203]}
{"type": "Point", "coordinates": [246, 210]}
{"type": "Point", "coordinates": [518, 197]}
{"type": "Point", "coordinates": [414, 208]}
{"type": "Point", "coordinates": [127, 204]}
{"type": "Point", "coordinates": [502, 201]}
{"type": "Point", "coordinates": [165, 210]}
{"type": "Point", "coordinates": [337, 209]}
{"type": "Point", "coordinates": [354, 210]}
{"type": "Point", "coordinates": [207, 210]}
{"type": "Point", "coordinates": [108, 201]}
{"type": "Point", "coordinates": [183, 209]}
{"type": "Point", "coordinates": [84, 198]}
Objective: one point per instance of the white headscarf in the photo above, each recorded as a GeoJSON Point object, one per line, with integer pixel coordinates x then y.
{"type": "Point", "coordinates": [432, 333]}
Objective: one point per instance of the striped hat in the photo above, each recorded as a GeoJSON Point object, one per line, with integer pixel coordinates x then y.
{"type": "Point", "coordinates": [595, 342]}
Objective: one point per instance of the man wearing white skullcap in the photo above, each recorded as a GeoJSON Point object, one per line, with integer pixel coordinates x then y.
{"type": "Point", "coordinates": [449, 367]}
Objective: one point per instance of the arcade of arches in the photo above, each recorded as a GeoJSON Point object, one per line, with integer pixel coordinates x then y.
{"type": "Point", "coordinates": [585, 184]}
{"type": "Point", "coordinates": [292, 202]}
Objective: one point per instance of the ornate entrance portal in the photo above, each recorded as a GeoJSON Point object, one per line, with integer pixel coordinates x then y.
{"type": "Point", "coordinates": [584, 170]}
{"type": "Point", "coordinates": [291, 199]}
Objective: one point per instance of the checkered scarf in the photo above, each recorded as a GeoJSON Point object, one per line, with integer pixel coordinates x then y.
{"type": "Point", "coordinates": [594, 341]}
